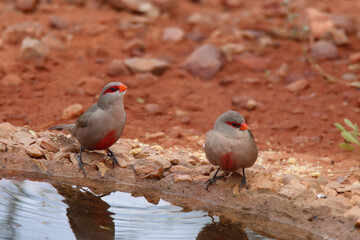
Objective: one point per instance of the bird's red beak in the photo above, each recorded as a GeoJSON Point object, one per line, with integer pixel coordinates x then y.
{"type": "Point", "coordinates": [243, 126]}
{"type": "Point", "coordinates": [122, 87]}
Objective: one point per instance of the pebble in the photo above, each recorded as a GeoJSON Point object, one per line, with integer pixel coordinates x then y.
{"type": "Point", "coordinates": [337, 36]}
{"type": "Point", "coordinates": [26, 6]}
{"type": "Point", "coordinates": [53, 42]}
{"type": "Point", "coordinates": [135, 151]}
{"type": "Point", "coordinates": [2, 147]}
{"type": "Point", "coordinates": [144, 65]}
{"type": "Point", "coordinates": [355, 200]}
{"type": "Point", "coordinates": [72, 111]}
{"type": "Point", "coordinates": [145, 7]}
{"type": "Point", "coordinates": [252, 62]}
{"type": "Point", "coordinates": [49, 145]}
{"type": "Point", "coordinates": [153, 109]}
{"type": "Point", "coordinates": [230, 49]}
{"type": "Point", "coordinates": [57, 22]}
{"type": "Point", "coordinates": [24, 138]}
{"type": "Point", "coordinates": [355, 57]}
{"type": "Point", "coordinates": [204, 62]}
{"type": "Point", "coordinates": [291, 161]}
{"type": "Point", "coordinates": [297, 86]}
{"type": "Point", "coordinates": [102, 168]}
{"type": "Point", "coordinates": [157, 147]}
{"type": "Point", "coordinates": [156, 135]}
{"type": "Point", "coordinates": [244, 102]}
{"type": "Point", "coordinates": [180, 169]}
{"type": "Point", "coordinates": [283, 70]}
{"type": "Point", "coordinates": [34, 151]}
{"type": "Point", "coordinates": [150, 171]}
{"type": "Point", "coordinates": [357, 223]}
{"type": "Point", "coordinates": [321, 195]}
{"type": "Point", "coordinates": [323, 50]}
{"type": "Point", "coordinates": [182, 178]}
{"type": "Point", "coordinates": [6, 129]}
{"type": "Point", "coordinates": [116, 68]}
{"type": "Point", "coordinates": [11, 79]}
{"type": "Point", "coordinates": [343, 22]}
{"type": "Point", "coordinates": [320, 23]}
{"type": "Point", "coordinates": [32, 50]}
{"type": "Point", "coordinates": [173, 34]}
{"type": "Point", "coordinates": [18, 32]}
{"type": "Point", "coordinates": [350, 77]}
{"type": "Point", "coordinates": [135, 47]}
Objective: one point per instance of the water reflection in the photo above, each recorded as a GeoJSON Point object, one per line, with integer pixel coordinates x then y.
{"type": "Point", "coordinates": [88, 214]}
{"type": "Point", "coordinates": [36, 210]}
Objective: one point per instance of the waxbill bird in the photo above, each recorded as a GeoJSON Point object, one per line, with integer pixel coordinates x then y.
{"type": "Point", "coordinates": [102, 124]}
{"type": "Point", "coordinates": [230, 145]}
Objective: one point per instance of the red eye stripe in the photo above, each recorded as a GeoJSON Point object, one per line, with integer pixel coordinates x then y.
{"type": "Point", "coordinates": [111, 89]}
{"type": "Point", "coordinates": [233, 124]}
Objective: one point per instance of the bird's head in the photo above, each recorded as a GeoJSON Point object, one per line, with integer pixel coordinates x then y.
{"type": "Point", "coordinates": [230, 123]}
{"type": "Point", "coordinates": [112, 93]}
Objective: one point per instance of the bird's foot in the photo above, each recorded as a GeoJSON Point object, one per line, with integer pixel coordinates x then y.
{"type": "Point", "coordinates": [212, 180]}
{"type": "Point", "coordinates": [81, 163]}
{"type": "Point", "coordinates": [243, 183]}
{"type": "Point", "coordinates": [112, 156]}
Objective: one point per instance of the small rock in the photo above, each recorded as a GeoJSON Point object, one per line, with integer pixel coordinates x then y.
{"type": "Point", "coordinates": [11, 79]}
{"type": "Point", "coordinates": [353, 212]}
{"type": "Point", "coordinates": [204, 62]}
{"type": "Point", "coordinates": [297, 86]}
{"type": "Point", "coordinates": [252, 62]}
{"type": "Point", "coordinates": [355, 200]}
{"type": "Point", "coordinates": [328, 191]}
{"type": "Point", "coordinates": [150, 171]}
{"type": "Point", "coordinates": [57, 22]}
{"type": "Point", "coordinates": [143, 65]}
{"type": "Point", "coordinates": [357, 223]}
{"type": "Point", "coordinates": [355, 57]}
{"type": "Point", "coordinates": [18, 32]}
{"type": "Point", "coordinates": [244, 102]}
{"type": "Point", "coordinates": [230, 49]}
{"type": "Point", "coordinates": [322, 50]}
{"type": "Point", "coordinates": [182, 178]}
{"type": "Point", "coordinates": [32, 50]}
{"type": "Point", "coordinates": [292, 191]}
{"type": "Point", "coordinates": [320, 23]}
{"type": "Point", "coordinates": [2, 147]}
{"type": "Point", "coordinates": [283, 70]}
{"type": "Point", "coordinates": [204, 169]}
{"type": "Point", "coordinates": [6, 129]}
{"type": "Point", "coordinates": [341, 179]}
{"type": "Point", "coordinates": [49, 145]}
{"type": "Point", "coordinates": [139, 6]}
{"type": "Point", "coordinates": [23, 138]}
{"type": "Point", "coordinates": [350, 77]}
{"type": "Point", "coordinates": [135, 47]}
{"type": "Point", "coordinates": [116, 68]}
{"type": "Point", "coordinates": [201, 19]}
{"type": "Point", "coordinates": [153, 109]}
{"type": "Point", "coordinates": [53, 43]}
{"type": "Point", "coordinates": [72, 111]}
{"type": "Point", "coordinates": [26, 5]}
{"type": "Point", "coordinates": [160, 161]}
{"type": "Point", "coordinates": [291, 161]}
{"type": "Point", "coordinates": [337, 36]}
{"type": "Point", "coordinates": [343, 22]}
{"type": "Point", "coordinates": [34, 151]}
{"type": "Point", "coordinates": [102, 168]}
{"type": "Point", "coordinates": [173, 34]}
{"type": "Point", "coordinates": [157, 148]}
{"type": "Point", "coordinates": [321, 195]}
{"type": "Point", "coordinates": [226, 81]}
{"type": "Point", "coordinates": [92, 85]}
{"type": "Point", "coordinates": [174, 161]}
{"type": "Point", "coordinates": [155, 135]}
{"type": "Point", "coordinates": [180, 169]}
{"type": "Point", "coordinates": [135, 151]}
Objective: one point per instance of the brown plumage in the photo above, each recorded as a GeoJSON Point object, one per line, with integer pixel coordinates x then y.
{"type": "Point", "coordinates": [230, 145]}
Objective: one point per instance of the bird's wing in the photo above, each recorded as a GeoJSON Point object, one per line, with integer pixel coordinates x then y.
{"type": "Point", "coordinates": [83, 120]}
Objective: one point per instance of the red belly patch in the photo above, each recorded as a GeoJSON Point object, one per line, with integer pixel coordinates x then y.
{"type": "Point", "coordinates": [107, 141]}
{"type": "Point", "coordinates": [227, 162]}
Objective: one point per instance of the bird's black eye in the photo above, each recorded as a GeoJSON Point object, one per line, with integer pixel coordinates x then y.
{"type": "Point", "coordinates": [234, 124]}
{"type": "Point", "coordinates": [113, 89]}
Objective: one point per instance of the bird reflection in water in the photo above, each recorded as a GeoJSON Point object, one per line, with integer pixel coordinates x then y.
{"type": "Point", "coordinates": [88, 214]}
{"type": "Point", "coordinates": [222, 230]}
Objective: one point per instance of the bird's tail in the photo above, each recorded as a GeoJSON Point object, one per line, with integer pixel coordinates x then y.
{"type": "Point", "coordinates": [64, 127]}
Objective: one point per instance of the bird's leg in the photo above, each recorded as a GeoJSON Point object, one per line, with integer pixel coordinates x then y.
{"type": "Point", "coordinates": [243, 180]}
{"type": "Point", "coordinates": [112, 156]}
{"type": "Point", "coordinates": [80, 161]}
{"type": "Point", "coordinates": [213, 179]}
